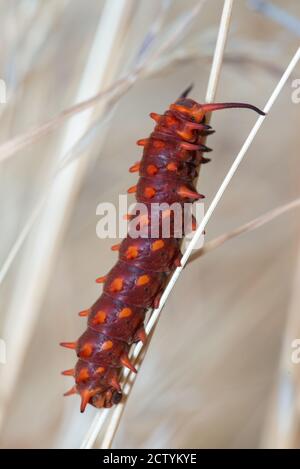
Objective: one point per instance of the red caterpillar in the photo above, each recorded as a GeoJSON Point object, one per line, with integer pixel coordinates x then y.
{"type": "Point", "coordinates": [172, 156]}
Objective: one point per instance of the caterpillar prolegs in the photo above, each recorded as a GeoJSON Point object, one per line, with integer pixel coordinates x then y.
{"type": "Point", "coordinates": [170, 163]}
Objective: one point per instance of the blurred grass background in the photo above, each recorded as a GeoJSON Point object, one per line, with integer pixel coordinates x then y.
{"type": "Point", "coordinates": [215, 363]}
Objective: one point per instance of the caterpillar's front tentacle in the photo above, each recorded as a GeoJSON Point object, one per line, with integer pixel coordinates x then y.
{"type": "Point", "coordinates": [210, 107]}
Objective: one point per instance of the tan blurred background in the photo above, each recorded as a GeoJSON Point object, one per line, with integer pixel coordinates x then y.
{"type": "Point", "coordinates": [218, 372]}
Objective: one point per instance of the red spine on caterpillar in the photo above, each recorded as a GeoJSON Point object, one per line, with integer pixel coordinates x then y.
{"type": "Point", "coordinates": [171, 159]}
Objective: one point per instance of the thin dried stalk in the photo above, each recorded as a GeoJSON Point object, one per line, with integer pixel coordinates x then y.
{"type": "Point", "coordinates": [216, 65]}
{"type": "Point", "coordinates": [245, 228]}
{"type": "Point", "coordinates": [128, 378]}
{"type": "Point", "coordinates": [21, 141]}
{"type": "Point", "coordinates": [96, 425]}
{"type": "Point", "coordinates": [118, 411]}
{"type": "Point", "coordinates": [184, 56]}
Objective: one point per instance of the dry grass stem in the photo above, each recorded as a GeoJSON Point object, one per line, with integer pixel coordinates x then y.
{"type": "Point", "coordinates": [245, 228]}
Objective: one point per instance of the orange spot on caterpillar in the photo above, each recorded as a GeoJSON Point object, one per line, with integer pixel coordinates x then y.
{"type": "Point", "coordinates": [70, 372]}
{"type": "Point", "coordinates": [115, 247]}
{"type": "Point", "coordinates": [84, 313]}
{"type": "Point", "coordinates": [86, 351]}
{"type": "Point", "coordinates": [85, 397]}
{"type": "Point", "coordinates": [171, 120]}
{"type": "Point", "coordinates": [189, 146]}
{"type": "Point", "coordinates": [70, 345]}
{"type": "Point", "coordinates": [158, 244]}
{"type": "Point", "coordinates": [115, 383]}
{"type": "Point", "coordinates": [151, 169]}
{"type": "Point", "coordinates": [185, 192]}
{"type": "Point", "coordinates": [196, 113]}
{"type": "Point", "coordinates": [101, 279]}
{"type": "Point", "coordinates": [142, 142]}
{"type": "Point", "coordinates": [132, 189]}
{"type": "Point", "coordinates": [83, 375]}
{"type": "Point", "coordinates": [124, 313]}
{"type": "Point", "coordinates": [107, 345]}
{"type": "Point", "coordinates": [172, 167]}
{"type": "Point", "coordinates": [141, 335]}
{"type": "Point", "coordinates": [186, 133]}
{"type": "Point", "coordinates": [100, 370]}
{"type": "Point", "coordinates": [149, 192]}
{"type": "Point", "coordinates": [142, 280]}
{"type": "Point", "coordinates": [132, 252]}
{"type": "Point", "coordinates": [126, 362]}
{"type": "Point", "coordinates": [158, 144]}
{"type": "Point", "coordinates": [99, 317]}
{"type": "Point", "coordinates": [195, 126]}
{"type": "Point", "coordinates": [71, 391]}
{"type": "Point", "coordinates": [155, 116]}
{"type": "Point", "coordinates": [116, 284]}
{"type": "Point", "coordinates": [135, 168]}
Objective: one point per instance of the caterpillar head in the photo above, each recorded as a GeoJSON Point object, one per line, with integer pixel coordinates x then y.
{"type": "Point", "coordinates": [189, 108]}
{"type": "Point", "coordinates": [96, 397]}
{"type": "Point", "coordinates": [196, 111]}
{"type": "Point", "coordinates": [107, 399]}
